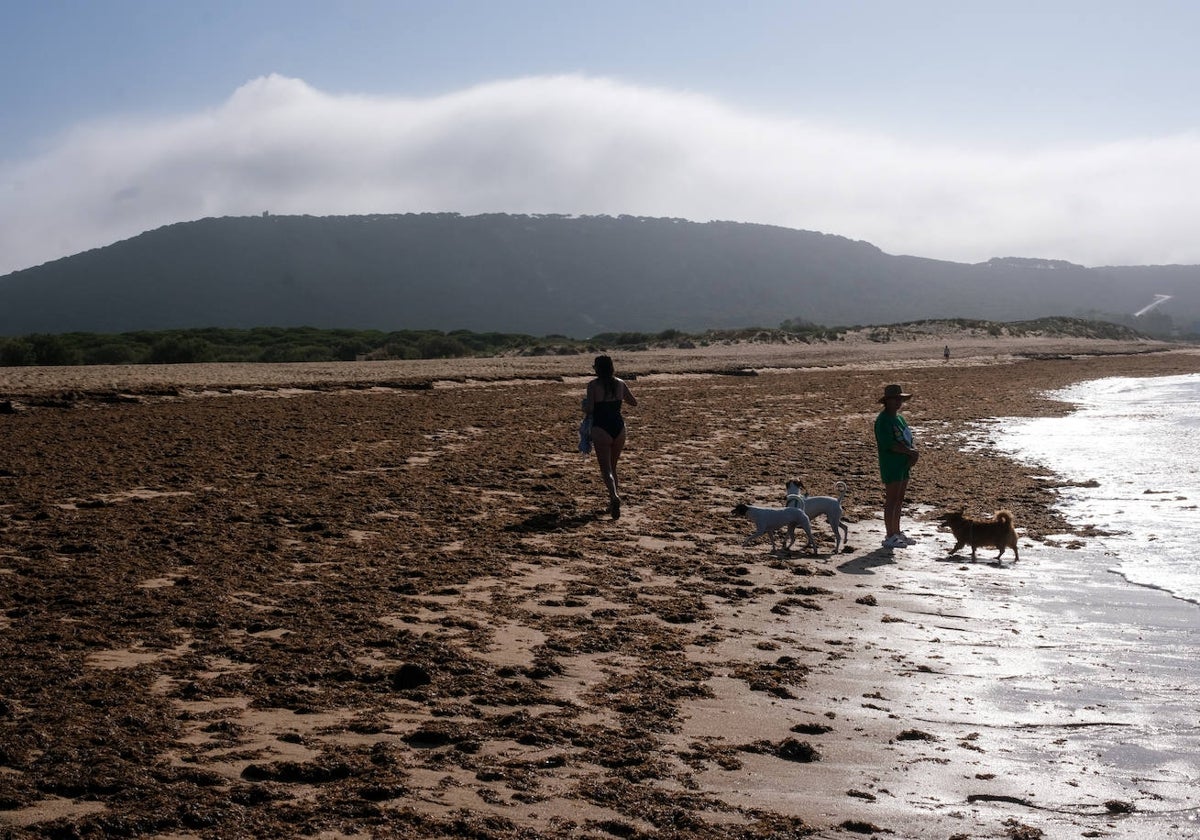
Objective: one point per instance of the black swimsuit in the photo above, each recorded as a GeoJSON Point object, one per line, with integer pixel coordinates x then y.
{"type": "Point", "coordinates": [607, 416]}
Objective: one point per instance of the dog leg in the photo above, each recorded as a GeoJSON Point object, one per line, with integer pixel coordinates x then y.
{"type": "Point", "coordinates": [835, 522]}
{"type": "Point", "coordinates": [812, 544]}
{"type": "Point", "coordinates": [999, 562]}
{"type": "Point", "coordinates": [1016, 557]}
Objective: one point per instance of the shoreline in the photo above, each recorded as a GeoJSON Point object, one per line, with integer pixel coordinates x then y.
{"type": "Point", "coordinates": [1048, 695]}
{"type": "Point", "coordinates": [404, 612]}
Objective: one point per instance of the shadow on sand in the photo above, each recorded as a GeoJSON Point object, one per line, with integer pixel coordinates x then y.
{"type": "Point", "coordinates": [553, 521]}
{"type": "Point", "coordinates": [863, 564]}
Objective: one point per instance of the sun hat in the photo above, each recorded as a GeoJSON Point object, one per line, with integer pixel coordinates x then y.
{"type": "Point", "coordinates": [894, 391]}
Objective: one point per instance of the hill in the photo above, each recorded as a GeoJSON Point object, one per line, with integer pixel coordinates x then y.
{"type": "Point", "coordinates": [542, 275]}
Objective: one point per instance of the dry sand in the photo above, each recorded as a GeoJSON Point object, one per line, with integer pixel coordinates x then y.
{"type": "Point", "coordinates": [391, 605]}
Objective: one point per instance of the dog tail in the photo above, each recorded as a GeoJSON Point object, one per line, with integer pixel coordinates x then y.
{"type": "Point", "coordinates": [841, 488]}
{"type": "Point", "coordinates": [1004, 516]}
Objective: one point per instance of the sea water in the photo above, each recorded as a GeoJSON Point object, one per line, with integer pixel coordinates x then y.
{"type": "Point", "coordinates": [1130, 452]}
{"type": "Point", "coordinates": [1118, 622]}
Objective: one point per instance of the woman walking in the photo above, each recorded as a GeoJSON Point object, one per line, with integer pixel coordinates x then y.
{"type": "Point", "coordinates": [605, 395]}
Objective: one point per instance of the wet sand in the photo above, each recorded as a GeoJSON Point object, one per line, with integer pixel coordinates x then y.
{"type": "Point", "coordinates": [386, 600]}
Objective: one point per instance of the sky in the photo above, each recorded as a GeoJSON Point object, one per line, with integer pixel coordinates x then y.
{"type": "Point", "coordinates": [954, 129]}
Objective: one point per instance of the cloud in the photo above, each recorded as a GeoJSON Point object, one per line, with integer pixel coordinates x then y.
{"type": "Point", "coordinates": [580, 145]}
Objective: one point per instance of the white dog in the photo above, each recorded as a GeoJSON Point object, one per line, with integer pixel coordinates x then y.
{"type": "Point", "coordinates": [815, 506]}
{"type": "Point", "coordinates": [769, 520]}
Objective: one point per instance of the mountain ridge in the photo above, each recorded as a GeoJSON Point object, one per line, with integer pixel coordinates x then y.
{"type": "Point", "coordinates": [541, 275]}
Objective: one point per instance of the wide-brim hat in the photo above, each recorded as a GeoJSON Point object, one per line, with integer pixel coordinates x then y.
{"type": "Point", "coordinates": [894, 391]}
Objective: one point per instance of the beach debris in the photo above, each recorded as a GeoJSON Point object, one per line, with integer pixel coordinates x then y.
{"type": "Point", "coordinates": [409, 676]}
{"type": "Point", "coordinates": [807, 590]}
{"type": "Point", "coordinates": [382, 793]}
{"type": "Point", "coordinates": [788, 749]}
{"type": "Point", "coordinates": [808, 571]}
{"type": "Point", "coordinates": [1112, 806]}
{"type": "Point", "coordinates": [793, 750]}
{"type": "Point", "coordinates": [861, 827]}
{"type": "Point", "coordinates": [435, 734]}
{"type": "Point", "coordinates": [295, 772]}
{"type": "Point", "coordinates": [772, 678]}
{"type": "Point", "coordinates": [1020, 831]}
{"type": "Point", "coordinates": [916, 735]}
{"type": "Point", "coordinates": [867, 601]}
{"type": "Point", "coordinates": [783, 607]}
{"type": "Point", "coordinates": [967, 742]}
{"type": "Point", "coordinates": [811, 728]}
{"type": "Point", "coordinates": [617, 828]}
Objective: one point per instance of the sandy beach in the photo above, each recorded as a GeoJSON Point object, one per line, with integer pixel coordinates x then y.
{"type": "Point", "coordinates": [385, 600]}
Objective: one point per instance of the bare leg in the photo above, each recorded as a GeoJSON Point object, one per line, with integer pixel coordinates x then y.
{"type": "Point", "coordinates": [607, 452]}
{"type": "Point", "coordinates": [893, 502]}
{"type": "Point", "coordinates": [618, 446]}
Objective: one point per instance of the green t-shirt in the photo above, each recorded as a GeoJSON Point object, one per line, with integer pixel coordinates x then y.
{"type": "Point", "coordinates": [890, 430]}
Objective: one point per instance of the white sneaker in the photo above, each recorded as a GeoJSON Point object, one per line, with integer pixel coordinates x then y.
{"type": "Point", "coordinates": [906, 538]}
{"type": "Point", "coordinates": [894, 541]}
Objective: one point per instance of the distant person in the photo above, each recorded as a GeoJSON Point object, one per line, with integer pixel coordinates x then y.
{"type": "Point", "coordinates": [602, 402]}
{"type": "Point", "coordinates": [946, 353]}
{"type": "Point", "coordinates": [897, 456]}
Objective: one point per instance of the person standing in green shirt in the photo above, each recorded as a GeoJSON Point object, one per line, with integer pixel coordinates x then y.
{"type": "Point", "coordinates": [897, 456]}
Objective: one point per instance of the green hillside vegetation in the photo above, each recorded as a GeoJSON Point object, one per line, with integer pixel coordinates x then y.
{"type": "Point", "coordinates": [309, 344]}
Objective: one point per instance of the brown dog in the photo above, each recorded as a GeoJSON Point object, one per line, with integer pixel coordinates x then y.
{"type": "Point", "coordinates": [980, 533]}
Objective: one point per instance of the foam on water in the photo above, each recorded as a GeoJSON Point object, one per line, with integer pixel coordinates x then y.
{"type": "Point", "coordinates": [1138, 441]}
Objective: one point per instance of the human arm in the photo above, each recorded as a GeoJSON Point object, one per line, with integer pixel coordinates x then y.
{"type": "Point", "coordinates": [627, 395]}
{"type": "Point", "coordinates": [902, 448]}
{"type": "Point", "coordinates": [904, 441]}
